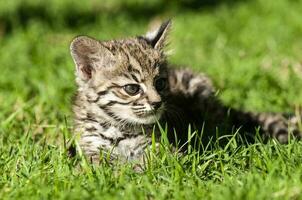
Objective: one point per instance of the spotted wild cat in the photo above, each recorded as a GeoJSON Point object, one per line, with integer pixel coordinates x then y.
{"type": "Point", "coordinates": [126, 85]}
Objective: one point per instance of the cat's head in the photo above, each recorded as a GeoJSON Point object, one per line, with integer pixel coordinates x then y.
{"type": "Point", "coordinates": [126, 79]}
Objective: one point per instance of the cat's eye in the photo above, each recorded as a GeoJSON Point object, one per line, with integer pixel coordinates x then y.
{"type": "Point", "coordinates": [161, 84]}
{"type": "Point", "coordinates": [132, 89]}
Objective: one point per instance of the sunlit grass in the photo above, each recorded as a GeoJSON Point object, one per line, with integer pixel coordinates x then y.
{"type": "Point", "coordinates": [251, 49]}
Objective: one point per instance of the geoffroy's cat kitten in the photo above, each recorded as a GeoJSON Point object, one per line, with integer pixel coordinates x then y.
{"type": "Point", "coordinates": [126, 86]}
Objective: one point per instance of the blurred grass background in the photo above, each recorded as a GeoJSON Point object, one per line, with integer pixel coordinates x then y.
{"type": "Point", "coordinates": [252, 50]}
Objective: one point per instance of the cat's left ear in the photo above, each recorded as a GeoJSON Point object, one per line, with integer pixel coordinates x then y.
{"type": "Point", "coordinates": [158, 37]}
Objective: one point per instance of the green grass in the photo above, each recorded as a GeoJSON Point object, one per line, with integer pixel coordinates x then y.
{"type": "Point", "coordinates": [251, 49]}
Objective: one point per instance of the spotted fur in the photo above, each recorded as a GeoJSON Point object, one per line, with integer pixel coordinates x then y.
{"type": "Point", "coordinates": [125, 86]}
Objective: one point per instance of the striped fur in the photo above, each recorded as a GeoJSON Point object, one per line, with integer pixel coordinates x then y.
{"type": "Point", "coordinates": [126, 86]}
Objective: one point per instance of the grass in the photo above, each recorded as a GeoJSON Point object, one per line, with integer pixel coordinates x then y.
{"type": "Point", "coordinates": [251, 49]}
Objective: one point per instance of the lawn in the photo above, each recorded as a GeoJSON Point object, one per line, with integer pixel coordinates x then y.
{"type": "Point", "coordinates": [252, 50]}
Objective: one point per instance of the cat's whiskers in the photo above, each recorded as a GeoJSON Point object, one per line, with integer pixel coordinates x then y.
{"type": "Point", "coordinates": [138, 108]}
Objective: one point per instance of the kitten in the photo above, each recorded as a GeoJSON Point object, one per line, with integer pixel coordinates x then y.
{"type": "Point", "coordinates": [125, 86]}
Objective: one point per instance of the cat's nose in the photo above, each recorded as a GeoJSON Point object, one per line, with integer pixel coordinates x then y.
{"type": "Point", "coordinates": [156, 104]}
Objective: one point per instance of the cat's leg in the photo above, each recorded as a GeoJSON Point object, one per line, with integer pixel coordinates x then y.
{"type": "Point", "coordinates": [194, 96]}
{"type": "Point", "coordinates": [274, 125]}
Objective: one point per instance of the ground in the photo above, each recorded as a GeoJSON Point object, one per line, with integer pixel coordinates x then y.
{"type": "Point", "coordinates": [251, 49]}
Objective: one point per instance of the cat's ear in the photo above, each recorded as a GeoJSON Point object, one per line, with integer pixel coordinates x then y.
{"type": "Point", "coordinates": [158, 37]}
{"type": "Point", "coordinates": [88, 55]}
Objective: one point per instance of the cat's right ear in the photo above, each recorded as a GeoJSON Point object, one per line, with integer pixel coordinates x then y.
{"type": "Point", "coordinates": [157, 38]}
{"type": "Point", "coordinates": [88, 55]}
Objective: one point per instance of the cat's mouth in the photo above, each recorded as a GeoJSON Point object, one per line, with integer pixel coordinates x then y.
{"type": "Point", "coordinates": [148, 115]}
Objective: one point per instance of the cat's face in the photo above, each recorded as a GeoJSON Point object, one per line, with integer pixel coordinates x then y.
{"type": "Point", "coordinates": [125, 79]}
